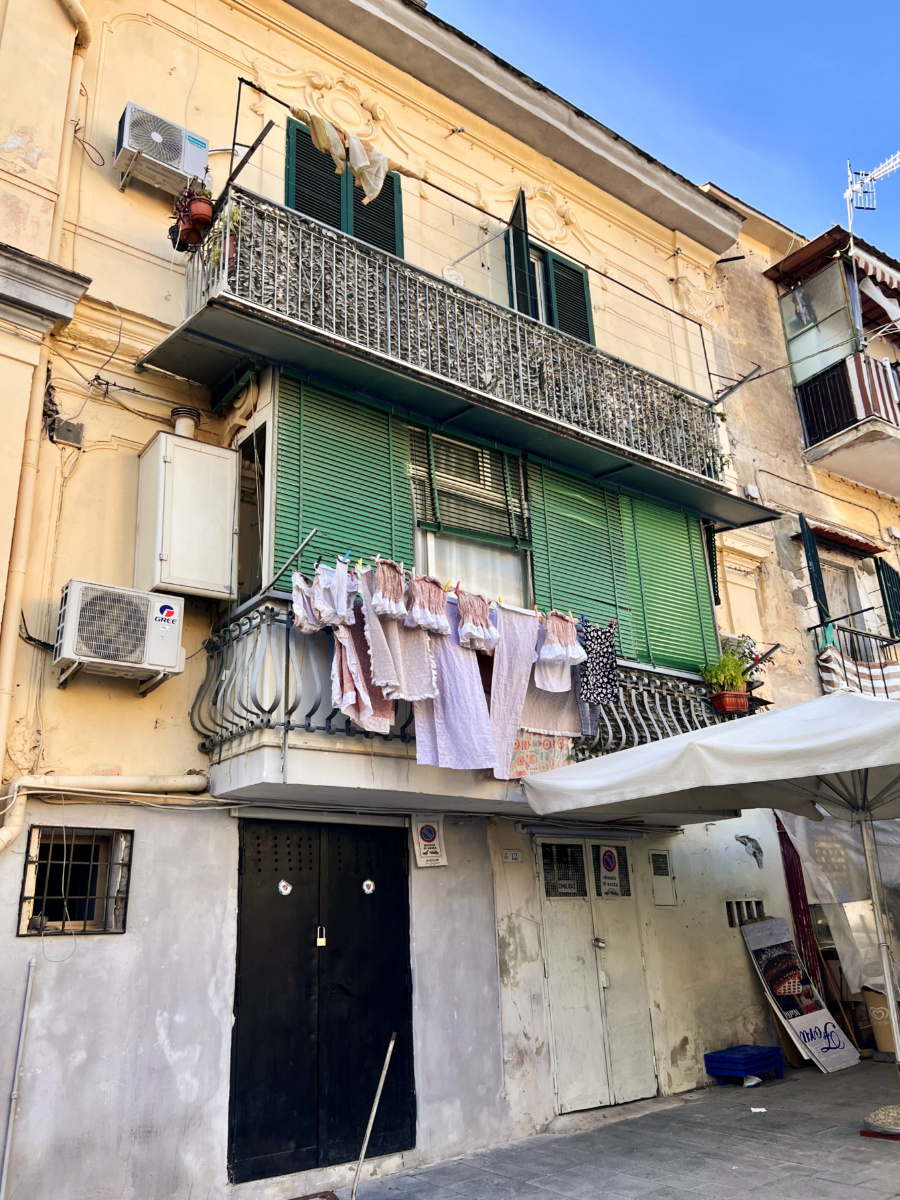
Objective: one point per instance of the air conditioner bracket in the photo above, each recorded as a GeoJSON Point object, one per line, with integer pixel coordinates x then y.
{"type": "Point", "coordinates": [69, 673]}
{"type": "Point", "coordinates": [146, 686]}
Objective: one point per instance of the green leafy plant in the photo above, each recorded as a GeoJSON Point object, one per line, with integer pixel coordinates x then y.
{"type": "Point", "coordinates": [726, 674]}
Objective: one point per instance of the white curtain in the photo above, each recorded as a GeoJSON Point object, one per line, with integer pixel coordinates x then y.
{"type": "Point", "coordinates": [488, 570]}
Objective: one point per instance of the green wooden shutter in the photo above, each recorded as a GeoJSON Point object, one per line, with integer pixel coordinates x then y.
{"type": "Point", "coordinates": [518, 259]}
{"type": "Point", "coordinates": [311, 184]}
{"type": "Point", "coordinates": [889, 582]}
{"type": "Point", "coordinates": [578, 551]}
{"type": "Point", "coordinates": [670, 586]}
{"type": "Point", "coordinates": [380, 222]}
{"type": "Point", "coordinates": [816, 582]}
{"type": "Point", "coordinates": [343, 468]}
{"type": "Point", "coordinates": [712, 561]}
{"type": "Point", "coordinates": [570, 297]}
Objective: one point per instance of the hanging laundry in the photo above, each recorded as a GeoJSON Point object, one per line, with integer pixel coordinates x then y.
{"type": "Point", "coordinates": [371, 177]}
{"type": "Point", "coordinates": [401, 658]}
{"type": "Point", "coordinates": [325, 137]}
{"type": "Point", "coordinates": [331, 594]}
{"type": "Point", "coordinates": [454, 729]}
{"type": "Point", "coordinates": [390, 585]}
{"type": "Point", "coordinates": [599, 676]}
{"type": "Point", "coordinates": [358, 156]}
{"type": "Point", "coordinates": [352, 689]}
{"type": "Point", "coordinates": [513, 659]}
{"type": "Point", "coordinates": [382, 707]}
{"type": "Point", "coordinates": [427, 607]}
{"type": "Point", "coordinates": [557, 652]}
{"type": "Point", "coordinates": [534, 753]}
{"type": "Point", "coordinates": [589, 714]}
{"type": "Point", "coordinates": [306, 619]}
{"type": "Point", "coordinates": [475, 629]}
{"type": "Point", "coordinates": [550, 712]}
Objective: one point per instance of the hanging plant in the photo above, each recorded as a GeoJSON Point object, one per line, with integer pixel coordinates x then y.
{"type": "Point", "coordinates": [193, 215]}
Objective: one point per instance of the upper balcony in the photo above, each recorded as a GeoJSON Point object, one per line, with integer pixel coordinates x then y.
{"type": "Point", "coordinates": [271, 284]}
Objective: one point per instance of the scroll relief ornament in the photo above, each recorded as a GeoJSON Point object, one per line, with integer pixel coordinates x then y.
{"type": "Point", "coordinates": [550, 216]}
{"type": "Point", "coordinates": [339, 100]}
{"type": "Point", "coordinates": [694, 301]}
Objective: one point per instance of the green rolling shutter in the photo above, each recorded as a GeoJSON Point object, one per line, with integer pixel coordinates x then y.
{"type": "Point", "coordinates": [670, 585]}
{"type": "Point", "coordinates": [816, 582]}
{"type": "Point", "coordinates": [570, 297]}
{"type": "Point", "coordinates": [889, 582]}
{"type": "Point", "coordinates": [380, 222]}
{"type": "Point", "coordinates": [343, 468]}
{"type": "Point", "coordinates": [311, 184]}
{"type": "Point", "coordinates": [578, 551]}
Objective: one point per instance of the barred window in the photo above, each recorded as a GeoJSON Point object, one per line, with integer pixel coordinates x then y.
{"type": "Point", "coordinates": [76, 881]}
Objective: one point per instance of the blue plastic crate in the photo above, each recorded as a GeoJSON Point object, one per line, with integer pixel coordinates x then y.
{"type": "Point", "coordinates": [738, 1061]}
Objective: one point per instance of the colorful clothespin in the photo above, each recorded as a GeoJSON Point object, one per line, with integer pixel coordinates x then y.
{"type": "Point", "coordinates": [447, 585]}
{"type": "Point", "coordinates": [571, 618]}
{"type": "Point", "coordinates": [457, 587]}
{"type": "Point", "coordinates": [499, 599]}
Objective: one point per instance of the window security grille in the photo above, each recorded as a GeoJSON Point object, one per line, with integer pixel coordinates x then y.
{"type": "Point", "coordinates": [622, 865]}
{"type": "Point", "coordinates": [563, 870]}
{"type": "Point", "coordinates": [76, 881]}
{"type": "Point", "coordinates": [739, 912]}
{"type": "Point", "coordinates": [467, 489]}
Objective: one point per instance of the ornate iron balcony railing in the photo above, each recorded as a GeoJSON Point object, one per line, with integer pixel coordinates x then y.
{"type": "Point", "coordinates": [335, 286]}
{"type": "Point", "coordinates": [262, 673]}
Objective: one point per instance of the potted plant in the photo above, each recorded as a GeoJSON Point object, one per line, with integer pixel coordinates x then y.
{"type": "Point", "coordinates": [728, 681]}
{"type": "Point", "coordinates": [193, 215]}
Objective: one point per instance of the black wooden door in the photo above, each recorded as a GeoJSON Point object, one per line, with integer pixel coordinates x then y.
{"type": "Point", "coordinates": [312, 1023]}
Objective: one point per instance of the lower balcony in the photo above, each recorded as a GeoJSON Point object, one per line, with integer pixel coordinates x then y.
{"type": "Point", "coordinates": [264, 715]}
{"type": "Point", "coordinates": [855, 660]}
{"type": "Point", "coordinates": [851, 418]}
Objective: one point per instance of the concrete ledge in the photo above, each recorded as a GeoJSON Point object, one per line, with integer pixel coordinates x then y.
{"type": "Point", "coordinates": [424, 46]}
{"type": "Point", "coordinates": [35, 293]}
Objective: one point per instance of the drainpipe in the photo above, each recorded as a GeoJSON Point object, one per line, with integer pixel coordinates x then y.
{"type": "Point", "coordinates": [124, 785]}
{"type": "Point", "coordinates": [18, 558]}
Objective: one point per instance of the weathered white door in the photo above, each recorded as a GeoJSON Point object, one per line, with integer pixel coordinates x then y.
{"type": "Point", "coordinates": [621, 963]}
{"type": "Point", "coordinates": [599, 1011]}
{"type": "Point", "coordinates": [576, 1007]}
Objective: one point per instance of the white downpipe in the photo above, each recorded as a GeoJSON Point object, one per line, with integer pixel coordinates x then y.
{"type": "Point", "coordinates": [79, 19]}
{"type": "Point", "coordinates": [887, 965]}
{"type": "Point", "coordinates": [125, 785]}
{"type": "Point", "coordinates": [14, 1093]}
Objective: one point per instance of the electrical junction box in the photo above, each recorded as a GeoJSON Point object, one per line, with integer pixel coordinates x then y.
{"type": "Point", "coordinates": [187, 518]}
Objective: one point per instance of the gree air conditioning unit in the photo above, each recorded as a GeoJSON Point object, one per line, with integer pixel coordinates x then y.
{"type": "Point", "coordinates": [118, 631]}
{"type": "Point", "coordinates": [158, 152]}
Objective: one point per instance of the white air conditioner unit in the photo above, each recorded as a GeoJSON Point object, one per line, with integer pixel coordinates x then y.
{"type": "Point", "coordinates": [158, 151]}
{"type": "Point", "coordinates": [118, 631]}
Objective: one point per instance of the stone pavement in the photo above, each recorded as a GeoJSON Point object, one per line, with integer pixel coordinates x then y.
{"type": "Point", "coordinates": [805, 1146]}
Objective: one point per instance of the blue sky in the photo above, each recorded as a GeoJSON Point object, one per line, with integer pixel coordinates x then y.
{"type": "Point", "coordinates": [766, 99]}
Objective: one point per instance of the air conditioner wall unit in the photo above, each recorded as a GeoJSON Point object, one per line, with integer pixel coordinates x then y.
{"type": "Point", "coordinates": [158, 151]}
{"type": "Point", "coordinates": [104, 630]}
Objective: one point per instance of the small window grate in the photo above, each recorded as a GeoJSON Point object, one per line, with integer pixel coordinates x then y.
{"type": "Point", "coordinates": [76, 881]}
{"type": "Point", "coordinates": [739, 912]}
{"type": "Point", "coordinates": [660, 864]}
{"type": "Point", "coordinates": [564, 875]}
{"type": "Point", "coordinates": [621, 866]}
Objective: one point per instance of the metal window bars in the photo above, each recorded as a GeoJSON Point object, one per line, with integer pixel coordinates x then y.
{"type": "Point", "coordinates": [264, 674]}
{"type": "Point", "coordinates": [76, 881]}
{"type": "Point", "coordinates": [337, 287]}
{"type": "Point", "coordinates": [864, 662]}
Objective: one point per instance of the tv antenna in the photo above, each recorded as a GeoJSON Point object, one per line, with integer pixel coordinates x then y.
{"type": "Point", "coordinates": [860, 193]}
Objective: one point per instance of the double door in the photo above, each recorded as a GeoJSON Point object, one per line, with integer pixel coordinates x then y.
{"type": "Point", "coordinates": [323, 980]}
{"type": "Point", "coordinates": [599, 1010]}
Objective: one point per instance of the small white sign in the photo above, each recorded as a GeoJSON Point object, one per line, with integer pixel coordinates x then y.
{"type": "Point", "coordinates": [513, 856]}
{"type": "Point", "coordinates": [285, 888]}
{"type": "Point", "coordinates": [368, 887]}
{"type": "Point", "coordinates": [428, 839]}
{"type": "Point", "coordinates": [610, 881]}
{"type": "Point", "coordinates": [454, 275]}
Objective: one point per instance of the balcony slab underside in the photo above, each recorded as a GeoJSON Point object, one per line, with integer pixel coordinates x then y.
{"type": "Point", "coordinates": [868, 453]}
{"type": "Point", "coordinates": [227, 330]}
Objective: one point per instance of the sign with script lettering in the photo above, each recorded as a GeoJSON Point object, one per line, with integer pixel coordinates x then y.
{"type": "Point", "coordinates": [428, 840]}
{"type": "Point", "coordinates": [794, 997]}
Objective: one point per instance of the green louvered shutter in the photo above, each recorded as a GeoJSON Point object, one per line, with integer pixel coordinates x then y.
{"type": "Point", "coordinates": [570, 297]}
{"type": "Point", "coordinates": [311, 185]}
{"type": "Point", "coordinates": [380, 222]}
{"type": "Point", "coordinates": [578, 551]}
{"type": "Point", "coordinates": [814, 568]}
{"type": "Point", "coordinates": [670, 585]}
{"type": "Point", "coordinates": [518, 259]}
{"type": "Point", "coordinates": [889, 582]}
{"type": "Point", "coordinates": [343, 468]}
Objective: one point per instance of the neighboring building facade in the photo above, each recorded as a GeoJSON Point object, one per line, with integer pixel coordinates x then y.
{"type": "Point", "coordinates": [497, 370]}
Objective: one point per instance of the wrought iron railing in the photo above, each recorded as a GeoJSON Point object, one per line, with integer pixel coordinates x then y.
{"type": "Point", "coordinates": [858, 660]}
{"type": "Point", "coordinates": [263, 674]}
{"type": "Point", "coordinates": [346, 291]}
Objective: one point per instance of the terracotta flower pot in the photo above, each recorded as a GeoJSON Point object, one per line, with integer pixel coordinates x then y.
{"type": "Point", "coordinates": [730, 702]}
{"type": "Point", "coordinates": [200, 212]}
{"type": "Point", "coordinates": [189, 234]}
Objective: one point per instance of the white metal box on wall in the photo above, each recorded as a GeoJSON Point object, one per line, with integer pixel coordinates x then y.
{"type": "Point", "coordinates": [187, 518]}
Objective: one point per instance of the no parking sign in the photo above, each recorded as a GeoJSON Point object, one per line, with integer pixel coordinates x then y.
{"type": "Point", "coordinates": [428, 839]}
{"type": "Point", "coordinates": [610, 879]}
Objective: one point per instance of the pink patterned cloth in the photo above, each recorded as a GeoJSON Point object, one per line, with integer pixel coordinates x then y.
{"type": "Point", "coordinates": [537, 752]}
{"type": "Point", "coordinates": [454, 729]}
{"type": "Point", "coordinates": [427, 607]}
{"type": "Point", "coordinates": [512, 668]}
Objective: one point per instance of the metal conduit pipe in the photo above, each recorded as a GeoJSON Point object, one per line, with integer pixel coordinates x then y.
{"type": "Point", "coordinates": [124, 784]}
{"type": "Point", "coordinates": [18, 557]}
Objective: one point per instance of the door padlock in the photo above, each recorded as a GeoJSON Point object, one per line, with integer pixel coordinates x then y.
{"type": "Point", "coordinates": [320, 935]}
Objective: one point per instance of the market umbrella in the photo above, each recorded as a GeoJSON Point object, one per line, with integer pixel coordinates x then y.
{"type": "Point", "coordinates": [839, 754]}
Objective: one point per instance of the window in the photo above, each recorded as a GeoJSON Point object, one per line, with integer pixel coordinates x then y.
{"type": "Point", "coordinates": [544, 285]}
{"type": "Point", "coordinates": [564, 875]}
{"type": "Point", "coordinates": [76, 881]}
{"type": "Point", "coordinates": [313, 187]}
{"type": "Point", "coordinates": [251, 514]}
{"type": "Point", "coordinates": [739, 912]}
{"type": "Point", "coordinates": [817, 323]}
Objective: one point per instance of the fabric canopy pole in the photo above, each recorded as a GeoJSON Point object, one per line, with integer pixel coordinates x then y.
{"type": "Point", "coordinates": [839, 755]}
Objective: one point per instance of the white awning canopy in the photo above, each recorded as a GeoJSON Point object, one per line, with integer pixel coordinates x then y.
{"type": "Point", "coordinates": [840, 752]}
